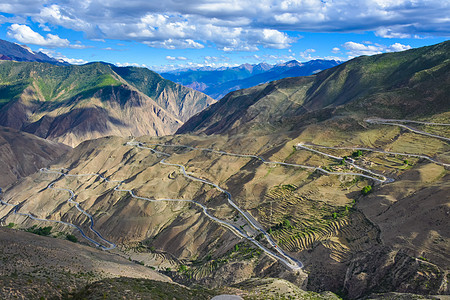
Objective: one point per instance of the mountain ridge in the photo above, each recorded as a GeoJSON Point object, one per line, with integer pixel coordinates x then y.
{"type": "Point", "coordinates": [219, 82]}
{"type": "Point", "coordinates": [362, 81]}
{"type": "Point", "coordinates": [74, 103]}
{"type": "Point", "coordinates": [13, 51]}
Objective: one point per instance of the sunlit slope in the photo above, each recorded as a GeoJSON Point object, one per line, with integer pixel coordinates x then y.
{"type": "Point", "coordinates": [73, 103]}
{"type": "Point", "coordinates": [406, 84]}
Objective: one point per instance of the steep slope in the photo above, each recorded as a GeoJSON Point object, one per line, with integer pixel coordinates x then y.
{"type": "Point", "coordinates": [218, 83]}
{"type": "Point", "coordinates": [386, 84]}
{"type": "Point", "coordinates": [71, 104]}
{"type": "Point", "coordinates": [54, 267]}
{"type": "Point", "coordinates": [22, 154]}
{"type": "Point", "coordinates": [176, 99]}
{"type": "Point", "coordinates": [12, 51]}
{"type": "Point", "coordinates": [360, 204]}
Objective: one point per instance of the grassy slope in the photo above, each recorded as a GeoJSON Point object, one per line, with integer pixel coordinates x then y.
{"type": "Point", "coordinates": [399, 80]}
{"type": "Point", "coordinates": [55, 83]}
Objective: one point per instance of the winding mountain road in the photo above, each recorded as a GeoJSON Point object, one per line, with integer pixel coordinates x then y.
{"type": "Point", "coordinates": [397, 123]}
{"type": "Point", "coordinates": [16, 208]}
{"type": "Point", "coordinates": [380, 151]}
{"type": "Point", "coordinates": [281, 256]}
{"type": "Point", "coordinates": [379, 177]}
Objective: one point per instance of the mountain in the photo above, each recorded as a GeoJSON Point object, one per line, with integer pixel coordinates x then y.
{"type": "Point", "coordinates": [71, 104]}
{"type": "Point", "coordinates": [300, 180]}
{"type": "Point", "coordinates": [386, 84]}
{"type": "Point", "coordinates": [22, 154]}
{"type": "Point", "coordinates": [55, 266]}
{"type": "Point", "coordinates": [12, 51]}
{"type": "Point", "coordinates": [217, 83]}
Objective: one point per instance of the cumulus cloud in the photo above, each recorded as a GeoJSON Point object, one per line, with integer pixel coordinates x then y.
{"type": "Point", "coordinates": [233, 24]}
{"type": "Point", "coordinates": [168, 57]}
{"type": "Point", "coordinates": [26, 35]}
{"type": "Point", "coordinates": [175, 44]}
{"type": "Point", "coordinates": [59, 56]}
{"type": "Point", "coordinates": [128, 64]}
{"type": "Point", "coordinates": [358, 49]}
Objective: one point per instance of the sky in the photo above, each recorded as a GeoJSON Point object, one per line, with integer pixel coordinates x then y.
{"type": "Point", "coordinates": [172, 34]}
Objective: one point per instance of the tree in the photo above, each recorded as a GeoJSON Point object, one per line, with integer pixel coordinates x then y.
{"type": "Point", "coordinates": [286, 224]}
{"type": "Point", "coordinates": [366, 190]}
{"type": "Point", "coordinates": [357, 153]}
{"type": "Point", "coordinates": [72, 238]}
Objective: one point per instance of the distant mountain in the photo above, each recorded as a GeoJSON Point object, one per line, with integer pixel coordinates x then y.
{"type": "Point", "coordinates": [219, 82]}
{"type": "Point", "coordinates": [71, 104]}
{"type": "Point", "coordinates": [12, 51]}
{"type": "Point", "coordinates": [385, 84]}
{"type": "Point", "coordinates": [22, 154]}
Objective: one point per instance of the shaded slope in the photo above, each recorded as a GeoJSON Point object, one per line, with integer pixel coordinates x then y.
{"type": "Point", "coordinates": [22, 154]}
{"type": "Point", "coordinates": [13, 51]}
{"type": "Point", "coordinates": [393, 83]}
{"type": "Point", "coordinates": [178, 100]}
{"type": "Point", "coordinates": [74, 103]}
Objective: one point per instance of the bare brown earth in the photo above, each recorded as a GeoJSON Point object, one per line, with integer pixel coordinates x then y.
{"type": "Point", "coordinates": [71, 104]}
{"type": "Point", "coordinates": [22, 154]}
{"type": "Point", "coordinates": [32, 264]}
{"type": "Point", "coordinates": [394, 239]}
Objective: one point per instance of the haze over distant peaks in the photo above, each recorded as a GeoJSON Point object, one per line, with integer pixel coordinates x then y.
{"type": "Point", "coordinates": [219, 82]}
{"type": "Point", "coordinates": [399, 77]}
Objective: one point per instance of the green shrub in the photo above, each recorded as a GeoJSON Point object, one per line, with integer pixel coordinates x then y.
{"type": "Point", "coordinates": [357, 153]}
{"type": "Point", "coordinates": [72, 238]}
{"type": "Point", "coordinates": [366, 190]}
{"type": "Point", "coordinates": [45, 231]}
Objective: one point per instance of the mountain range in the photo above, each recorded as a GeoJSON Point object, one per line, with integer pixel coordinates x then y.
{"type": "Point", "coordinates": [219, 82]}
{"type": "Point", "coordinates": [335, 182]}
{"type": "Point", "coordinates": [70, 104]}
{"type": "Point", "coordinates": [393, 85]}
{"type": "Point", "coordinates": [16, 52]}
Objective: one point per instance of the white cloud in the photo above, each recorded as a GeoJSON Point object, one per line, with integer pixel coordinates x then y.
{"type": "Point", "coordinates": [397, 47]}
{"type": "Point", "coordinates": [26, 35]}
{"type": "Point", "coordinates": [59, 56]}
{"type": "Point", "coordinates": [390, 33]}
{"type": "Point", "coordinates": [175, 44]}
{"type": "Point", "coordinates": [232, 24]}
{"type": "Point", "coordinates": [306, 55]}
{"type": "Point", "coordinates": [336, 50]}
{"type": "Point", "coordinates": [168, 57]}
{"type": "Point", "coordinates": [127, 64]}
{"type": "Point", "coordinates": [357, 49]}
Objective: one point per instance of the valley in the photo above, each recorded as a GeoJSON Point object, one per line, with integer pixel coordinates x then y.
{"type": "Point", "coordinates": [242, 221]}
{"type": "Point", "coordinates": [325, 186]}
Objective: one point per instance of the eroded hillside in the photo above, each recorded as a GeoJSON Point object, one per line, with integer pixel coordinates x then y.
{"type": "Point", "coordinates": [350, 197]}
{"type": "Point", "coordinates": [344, 239]}
{"type": "Point", "coordinates": [71, 104]}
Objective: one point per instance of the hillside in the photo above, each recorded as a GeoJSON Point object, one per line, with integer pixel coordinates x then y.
{"type": "Point", "coordinates": [54, 266]}
{"type": "Point", "coordinates": [391, 85]}
{"type": "Point", "coordinates": [70, 104]}
{"type": "Point", "coordinates": [218, 83]}
{"type": "Point", "coordinates": [334, 182]}
{"type": "Point", "coordinates": [12, 51]}
{"type": "Point", "coordinates": [22, 154]}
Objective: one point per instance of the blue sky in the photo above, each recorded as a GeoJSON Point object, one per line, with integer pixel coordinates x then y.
{"type": "Point", "coordinates": [171, 34]}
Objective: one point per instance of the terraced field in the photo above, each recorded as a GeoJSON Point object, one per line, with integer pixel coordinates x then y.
{"type": "Point", "coordinates": [298, 224]}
